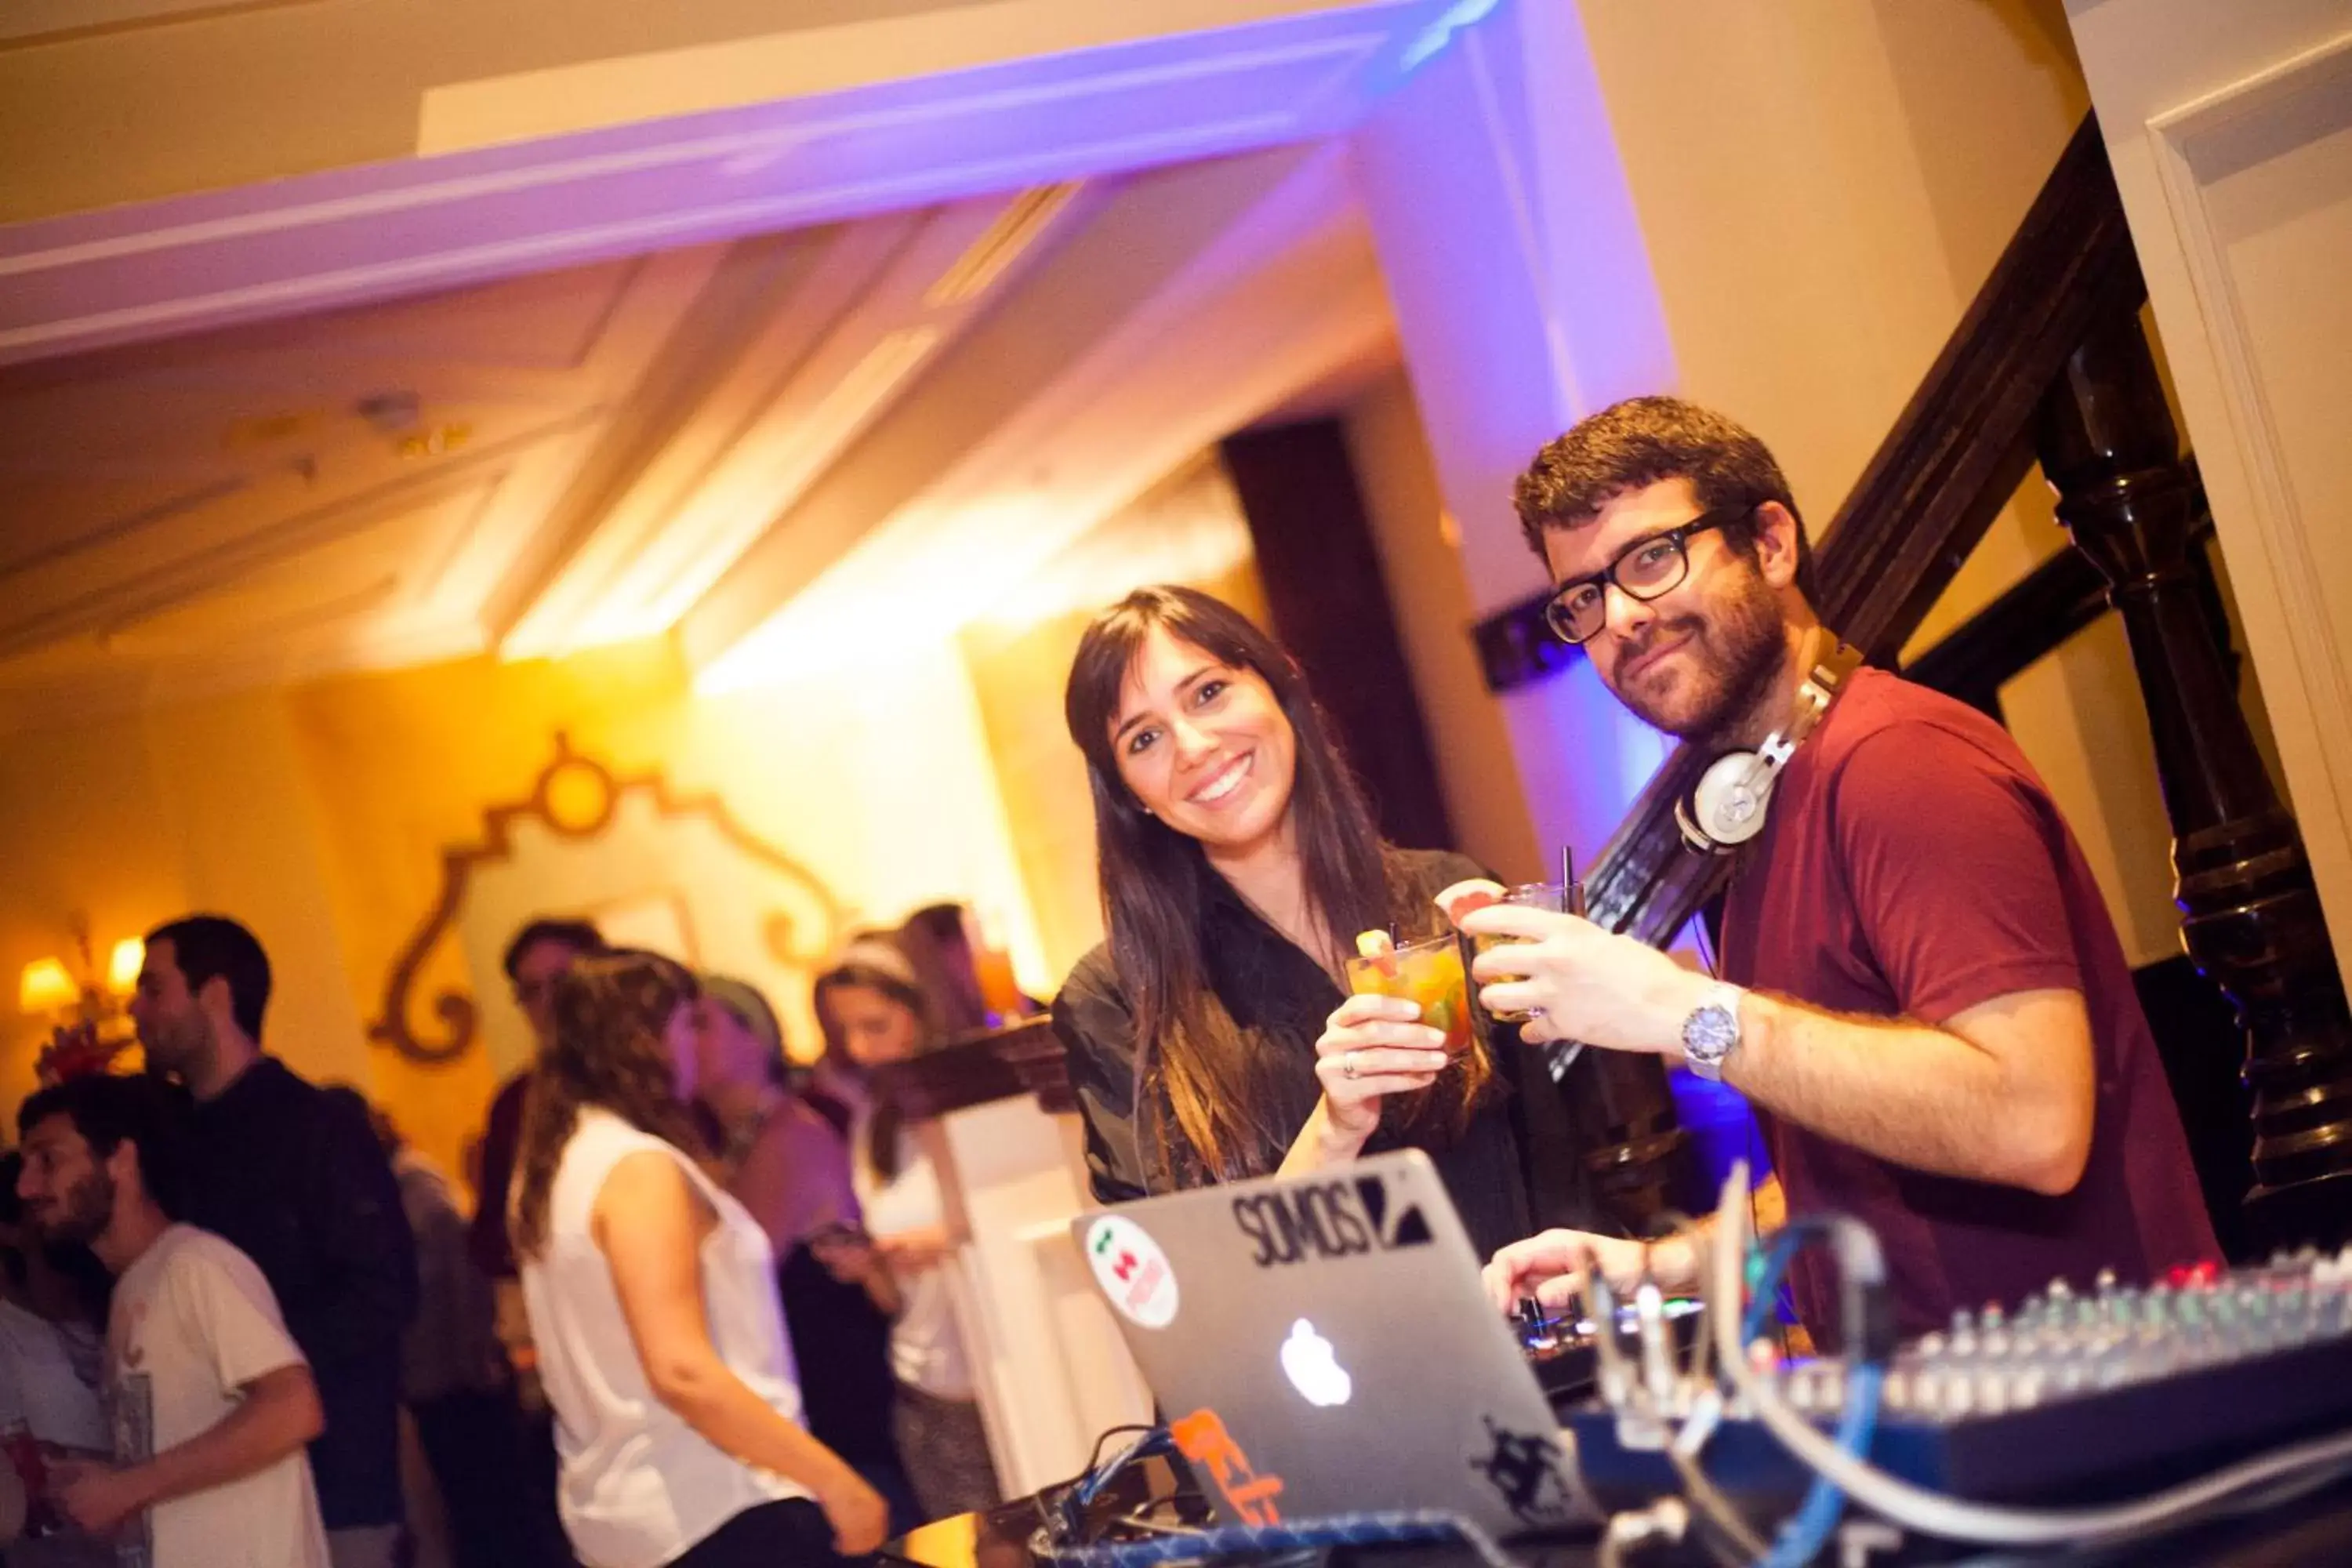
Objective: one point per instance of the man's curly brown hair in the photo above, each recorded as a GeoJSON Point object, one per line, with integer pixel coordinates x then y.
{"type": "Point", "coordinates": [1640, 442]}
{"type": "Point", "coordinates": [608, 1052]}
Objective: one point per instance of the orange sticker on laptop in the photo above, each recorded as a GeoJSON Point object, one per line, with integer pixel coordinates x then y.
{"type": "Point", "coordinates": [1202, 1438]}
{"type": "Point", "coordinates": [1132, 1271]}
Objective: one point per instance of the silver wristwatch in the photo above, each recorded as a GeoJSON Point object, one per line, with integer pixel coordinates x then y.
{"type": "Point", "coordinates": [1711, 1033]}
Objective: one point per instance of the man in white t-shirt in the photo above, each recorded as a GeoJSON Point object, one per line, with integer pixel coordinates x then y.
{"type": "Point", "coordinates": [211, 1403]}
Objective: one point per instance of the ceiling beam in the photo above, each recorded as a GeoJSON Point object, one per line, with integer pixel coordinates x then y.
{"type": "Point", "coordinates": [1197, 298]}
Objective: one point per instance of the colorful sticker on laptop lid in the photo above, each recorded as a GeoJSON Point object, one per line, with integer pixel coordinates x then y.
{"type": "Point", "coordinates": [1132, 1270]}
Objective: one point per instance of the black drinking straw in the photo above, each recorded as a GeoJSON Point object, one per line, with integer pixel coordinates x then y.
{"type": "Point", "coordinates": [1562, 1053]}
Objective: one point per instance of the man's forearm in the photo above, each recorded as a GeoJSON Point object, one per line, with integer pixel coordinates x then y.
{"type": "Point", "coordinates": [278, 1414]}
{"type": "Point", "coordinates": [1919, 1097]}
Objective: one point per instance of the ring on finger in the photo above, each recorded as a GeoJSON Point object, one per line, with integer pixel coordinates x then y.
{"type": "Point", "coordinates": [1347, 1064]}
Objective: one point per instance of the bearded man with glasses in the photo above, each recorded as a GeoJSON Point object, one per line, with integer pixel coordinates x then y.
{"type": "Point", "coordinates": [1922, 992]}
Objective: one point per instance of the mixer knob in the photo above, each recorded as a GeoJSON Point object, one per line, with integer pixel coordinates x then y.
{"type": "Point", "coordinates": [2059, 1289]}
{"type": "Point", "coordinates": [2106, 1283]}
{"type": "Point", "coordinates": [1962, 1323]}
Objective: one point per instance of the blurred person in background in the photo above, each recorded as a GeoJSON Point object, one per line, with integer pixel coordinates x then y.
{"type": "Point", "coordinates": [453, 1375]}
{"type": "Point", "coordinates": [970, 981]}
{"type": "Point", "coordinates": [873, 1003]}
{"type": "Point", "coordinates": [938, 945]}
{"type": "Point", "coordinates": [211, 1403]}
{"type": "Point", "coordinates": [539, 953]}
{"type": "Point", "coordinates": [52, 1309]}
{"type": "Point", "coordinates": [653, 1304]}
{"type": "Point", "coordinates": [296, 1181]}
{"type": "Point", "coordinates": [790, 1168]}
{"type": "Point", "coordinates": [535, 956]}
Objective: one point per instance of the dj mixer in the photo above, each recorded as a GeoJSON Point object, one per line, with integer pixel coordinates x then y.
{"type": "Point", "coordinates": [2070, 1396]}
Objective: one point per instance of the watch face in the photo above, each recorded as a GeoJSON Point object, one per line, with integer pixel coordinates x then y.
{"type": "Point", "coordinates": [1710, 1033]}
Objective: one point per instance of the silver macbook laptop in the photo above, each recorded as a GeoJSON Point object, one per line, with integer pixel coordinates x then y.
{"type": "Point", "coordinates": [1322, 1346]}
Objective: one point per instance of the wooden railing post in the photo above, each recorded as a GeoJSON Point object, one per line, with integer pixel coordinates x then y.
{"type": "Point", "coordinates": [2251, 915]}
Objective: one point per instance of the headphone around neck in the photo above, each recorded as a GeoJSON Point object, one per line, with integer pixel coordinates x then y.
{"type": "Point", "coordinates": [1726, 809]}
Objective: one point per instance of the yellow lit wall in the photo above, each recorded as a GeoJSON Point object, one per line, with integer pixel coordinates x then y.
{"type": "Point", "coordinates": [319, 815]}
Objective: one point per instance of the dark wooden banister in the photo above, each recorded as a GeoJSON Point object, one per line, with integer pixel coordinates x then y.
{"type": "Point", "coordinates": [1955, 457]}
{"type": "Point", "coordinates": [2050, 365]}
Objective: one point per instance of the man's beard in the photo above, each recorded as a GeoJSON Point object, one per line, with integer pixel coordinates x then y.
{"type": "Point", "coordinates": [181, 1046]}
{"type": "Point", "coordinates": [81, 1215]}
{"type": "Point", "coordinates": [1733, 656]}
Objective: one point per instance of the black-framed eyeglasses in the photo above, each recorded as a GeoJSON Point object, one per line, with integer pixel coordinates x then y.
{"type": "Point", "coordinates": [1646, 569]}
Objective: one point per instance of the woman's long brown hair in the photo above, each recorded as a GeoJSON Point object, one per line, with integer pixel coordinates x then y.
{"type": "Point", "coordinates": [609, 1052]}
{"type": "Point", "coordinates": [1235, 1109]}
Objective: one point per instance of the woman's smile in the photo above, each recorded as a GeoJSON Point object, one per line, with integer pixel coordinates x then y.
{"type": "Point", "coordinates": [1222, 784]}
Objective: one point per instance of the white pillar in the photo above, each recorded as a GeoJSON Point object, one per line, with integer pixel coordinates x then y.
{"type": "Point", "coordinates": [1524, 300]}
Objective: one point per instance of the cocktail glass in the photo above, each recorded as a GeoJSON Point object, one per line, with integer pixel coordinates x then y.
{"type": "Point", "coordinates": [1429, 972]}
{"type": "Point", "coordinates": [1558, 897]}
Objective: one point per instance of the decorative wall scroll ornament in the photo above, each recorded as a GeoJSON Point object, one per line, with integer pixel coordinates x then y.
{"type": "Point", "coordinates": [574, 797]}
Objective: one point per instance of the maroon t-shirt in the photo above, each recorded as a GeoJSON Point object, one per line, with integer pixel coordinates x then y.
{"type": "Point", "coordinates": [1913, 865]}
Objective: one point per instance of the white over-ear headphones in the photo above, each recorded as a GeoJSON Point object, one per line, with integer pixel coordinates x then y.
{"type": "Point", "coordinates": [1726, 809]}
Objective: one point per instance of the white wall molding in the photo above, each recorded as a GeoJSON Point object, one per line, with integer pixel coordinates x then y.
{"type": "Point", "coordinates": [2261, 115]}
{"type": "Point", "coordinates": [475, 212]}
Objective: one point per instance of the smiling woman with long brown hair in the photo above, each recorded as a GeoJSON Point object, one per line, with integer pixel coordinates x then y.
{"type": "Point", "coordinates": [653, 1303]}
{"type": "Point", "coordinates": [1210, 1037]}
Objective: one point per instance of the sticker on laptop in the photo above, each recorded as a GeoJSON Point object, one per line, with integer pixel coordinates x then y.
{"type": "Point", "coordinates": [1202, 1438]}
{"type": "Point", "coordinates": [1326, 1221]}
{"type": "Point", "coordinates": [1132, 1270]}
{"type": "Point", "coordinates": [1526, 1471]}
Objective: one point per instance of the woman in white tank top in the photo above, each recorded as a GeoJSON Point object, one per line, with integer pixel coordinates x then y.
{"type": "Point", "coordinates": [653, 1304]}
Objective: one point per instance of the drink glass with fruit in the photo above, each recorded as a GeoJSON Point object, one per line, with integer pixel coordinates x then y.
{"type": "Point", "coordinates": [1428, 973]}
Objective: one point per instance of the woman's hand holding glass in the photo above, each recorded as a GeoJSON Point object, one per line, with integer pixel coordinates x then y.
{"type": "Point", "coordinates": [1373, 1047]}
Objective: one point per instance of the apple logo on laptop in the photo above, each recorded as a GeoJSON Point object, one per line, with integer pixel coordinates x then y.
{"type": "Point", "coordinates": [1313, 1370]}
